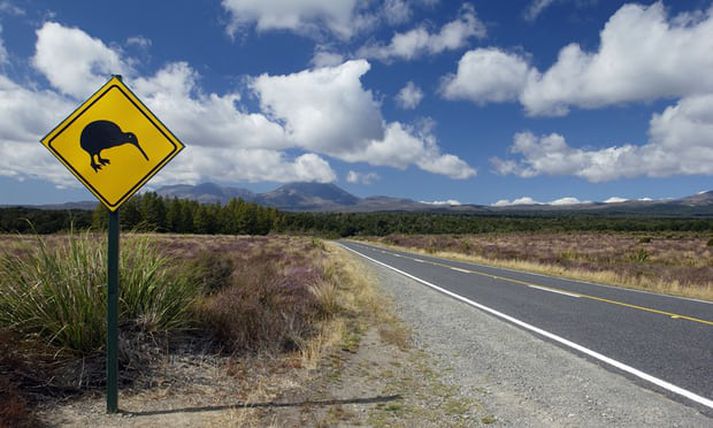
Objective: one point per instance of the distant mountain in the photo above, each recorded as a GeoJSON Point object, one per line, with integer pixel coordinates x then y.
{"type": "Point", "coordinates": [308, 197]}
{"type": "Point", "coordinates": [206, 193]}
{"type": "Point", "coordinates": [698, 200]}
{"type": "Point", "coordinates": [327, 197]}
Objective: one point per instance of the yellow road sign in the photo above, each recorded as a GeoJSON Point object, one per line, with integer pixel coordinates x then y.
{"type": "Point", "coordinates": [113, 143]}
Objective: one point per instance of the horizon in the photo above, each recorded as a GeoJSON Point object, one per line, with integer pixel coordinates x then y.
{"type": "Point", "coordinates": [473, 102]}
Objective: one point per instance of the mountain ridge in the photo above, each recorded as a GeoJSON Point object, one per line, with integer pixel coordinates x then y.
{"type": "Point", "coordinates": [328, 197]}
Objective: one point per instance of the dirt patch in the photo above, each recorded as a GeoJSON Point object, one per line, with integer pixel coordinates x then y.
{"type": "Point", "coordinates": [379, 384]}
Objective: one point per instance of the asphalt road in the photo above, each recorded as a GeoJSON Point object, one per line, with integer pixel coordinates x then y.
{"type": "Point", "coordinates": [663, 343]}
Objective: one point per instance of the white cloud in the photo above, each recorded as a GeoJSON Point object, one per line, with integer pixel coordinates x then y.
{"type": "Point", "coordinates": [451, 202]}
{"type": "Point", "coordinates": [362, 177]}
{"type": "Point", "coordinates": [487, 75]}
{"type": "Point", "coordinates": [535, 8]}
{"type": "Point", "coordinates": [615, 200]}
{"type": "Point", "coordinates": [569, 200]}
{"type": "Point", "coordinates": [643, 55]}
{"type": "Point", "coordinates": [74, 62]}
{"type": "Point", "coordinates": [24, 115]}
{"type": "Point", "coordinates": [526, 200]}
{"type": "Point", "coordinates": [680, 143]}
{"type": "Point", "coordinates": [397, 11]}
{"type": "Point", "coordinates": [419, 41]}
{"type": "Point", "coordinates": [327, 110]}
{"type": "Point", "coordinates": [325, 58]}
{"type": "Point", "coordinates": [321, 111]}
{"type": "Point", "coordinates": [410, 96]}
{"type": "Point", "coordinates": [403, 146]}
{"type": "Point", "coordinates": [206, 119]}
{"type": "Point", "coordinates": [340, 17]}
{"type": "Point", "coordinates": [139, 41]}
{"type": "Point", "coordinates": [199, 163]}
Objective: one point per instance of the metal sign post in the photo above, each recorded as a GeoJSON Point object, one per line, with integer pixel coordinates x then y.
{"type": "Point", "coordinates": [112, 315]}
{"type": "Point", "coordinates": [113, 144]}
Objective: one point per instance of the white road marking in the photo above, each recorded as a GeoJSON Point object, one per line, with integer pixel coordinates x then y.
{"type": "Point", "coordinates": [419, 260]}
{"type": "Point", "coordinates": [459, 269]}
{"type": "Point", "coordinates": [552, 290]}
{"type": "Point", "coordinates": [603, 358]}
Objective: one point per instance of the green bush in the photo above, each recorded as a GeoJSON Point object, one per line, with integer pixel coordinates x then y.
{"type": "Point", "coordinates": [58, 292]}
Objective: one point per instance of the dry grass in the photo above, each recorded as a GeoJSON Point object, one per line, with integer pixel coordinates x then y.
{"type": "Point", "coordinates": [673, 263]}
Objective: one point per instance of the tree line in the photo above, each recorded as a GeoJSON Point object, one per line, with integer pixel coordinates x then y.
{"type": "Point", "coordinates": [151, 212]}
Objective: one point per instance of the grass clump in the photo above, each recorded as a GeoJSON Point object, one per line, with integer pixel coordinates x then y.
{"type": "Point", "coordinates": [58, 292]}
{"type": "Point", "coordinates": [211, 271]}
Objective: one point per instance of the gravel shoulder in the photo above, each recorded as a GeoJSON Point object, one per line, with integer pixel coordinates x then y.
{"type": "Point", "coordinates": [519, 378]}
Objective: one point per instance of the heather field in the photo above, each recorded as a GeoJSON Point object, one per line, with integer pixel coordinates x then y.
{"type": "Point", "coordinates": [225, 314]}
{"type": "Point", "coordinates": [676, 263]}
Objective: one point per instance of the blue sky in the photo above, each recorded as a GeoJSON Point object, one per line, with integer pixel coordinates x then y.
{"type": "Point", "coordinates": [481, 102]}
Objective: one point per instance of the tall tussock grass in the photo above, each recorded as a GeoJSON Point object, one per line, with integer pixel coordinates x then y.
{"type": "Point", "coordinates": [58, 292]}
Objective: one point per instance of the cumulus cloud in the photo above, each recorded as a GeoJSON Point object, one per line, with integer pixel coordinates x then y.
{"type": "Point", "coordinates": [317, 106]}
{"type": "Point", "coordinates": [410, 96]}
{"type": "Point", "coordinates": [324, 111]}
{"type": "Point", "coordinates": [680, 143]}
{"type": "Point", "coordinates": [451, 202]}
{"type": "Point", "coordinates": [419, 41]}
{"type": "Point", "coordinates": [362, 177]}
{"type": "Point", "coordinates": [487, 75]}
{"type": "Point", "coordinates": [643, 55]}
{"type": "Point", "coordinates": [615, 200]}
{"type": "Point", "coordinates": [526, 200]}
{"type": "Point", "coordinates": [403, 145]}
{"type": "Point", "coordinates": [74, 62]}
{"type": "Point", "coordinates": [340, 17]}
{"type": "Point", "coordinates": [21, 122]}
{"type": "Point", "coordinates": [569, 200]}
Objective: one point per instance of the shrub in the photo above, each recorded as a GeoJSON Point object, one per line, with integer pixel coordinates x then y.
{"type": "Point", "coordinates": [59, 292]}
{"type": "Point", "coordinates": [263, 309]}
{"type": "Point", "coordinates": [211, 271]}
{"type": "Point", "coordinates": [639, 256]}
{"type": "Point", "coordinates": [710, 243]}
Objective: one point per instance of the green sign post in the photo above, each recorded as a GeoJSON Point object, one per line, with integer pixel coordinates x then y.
{"type": "Point", "coordinates": [113, 144]}
{"type": "Point", "coordinates": [112, 315]}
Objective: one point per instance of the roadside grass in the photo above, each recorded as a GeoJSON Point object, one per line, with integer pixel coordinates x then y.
{"type": "Point", "coordinates": [277, 301]}
{"type": "Point", "coordinates": [677, 264]}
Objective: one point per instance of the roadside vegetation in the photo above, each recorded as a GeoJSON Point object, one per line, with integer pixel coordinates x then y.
{"type": "Point", "coordinates": [678, 263]}
{"type": "Point", "coordinates": [237, 302]}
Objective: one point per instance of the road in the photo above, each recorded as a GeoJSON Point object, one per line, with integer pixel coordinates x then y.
{"type": "Point", "coordinates": [661, 342]}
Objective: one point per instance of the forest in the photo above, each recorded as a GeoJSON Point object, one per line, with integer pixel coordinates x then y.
{"type": "Point", "coordinates": [150, 212]}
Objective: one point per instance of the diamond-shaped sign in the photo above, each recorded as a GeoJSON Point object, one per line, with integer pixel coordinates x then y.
{"type": "Point", "coordinates": [113, 143]}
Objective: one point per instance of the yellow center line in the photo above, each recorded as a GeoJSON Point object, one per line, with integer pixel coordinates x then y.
{"type": "Point", "coordinates": [586, 296]}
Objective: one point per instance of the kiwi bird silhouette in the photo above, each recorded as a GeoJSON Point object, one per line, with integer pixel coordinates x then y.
{"type": "Point", "coordinates": [103, 134]}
